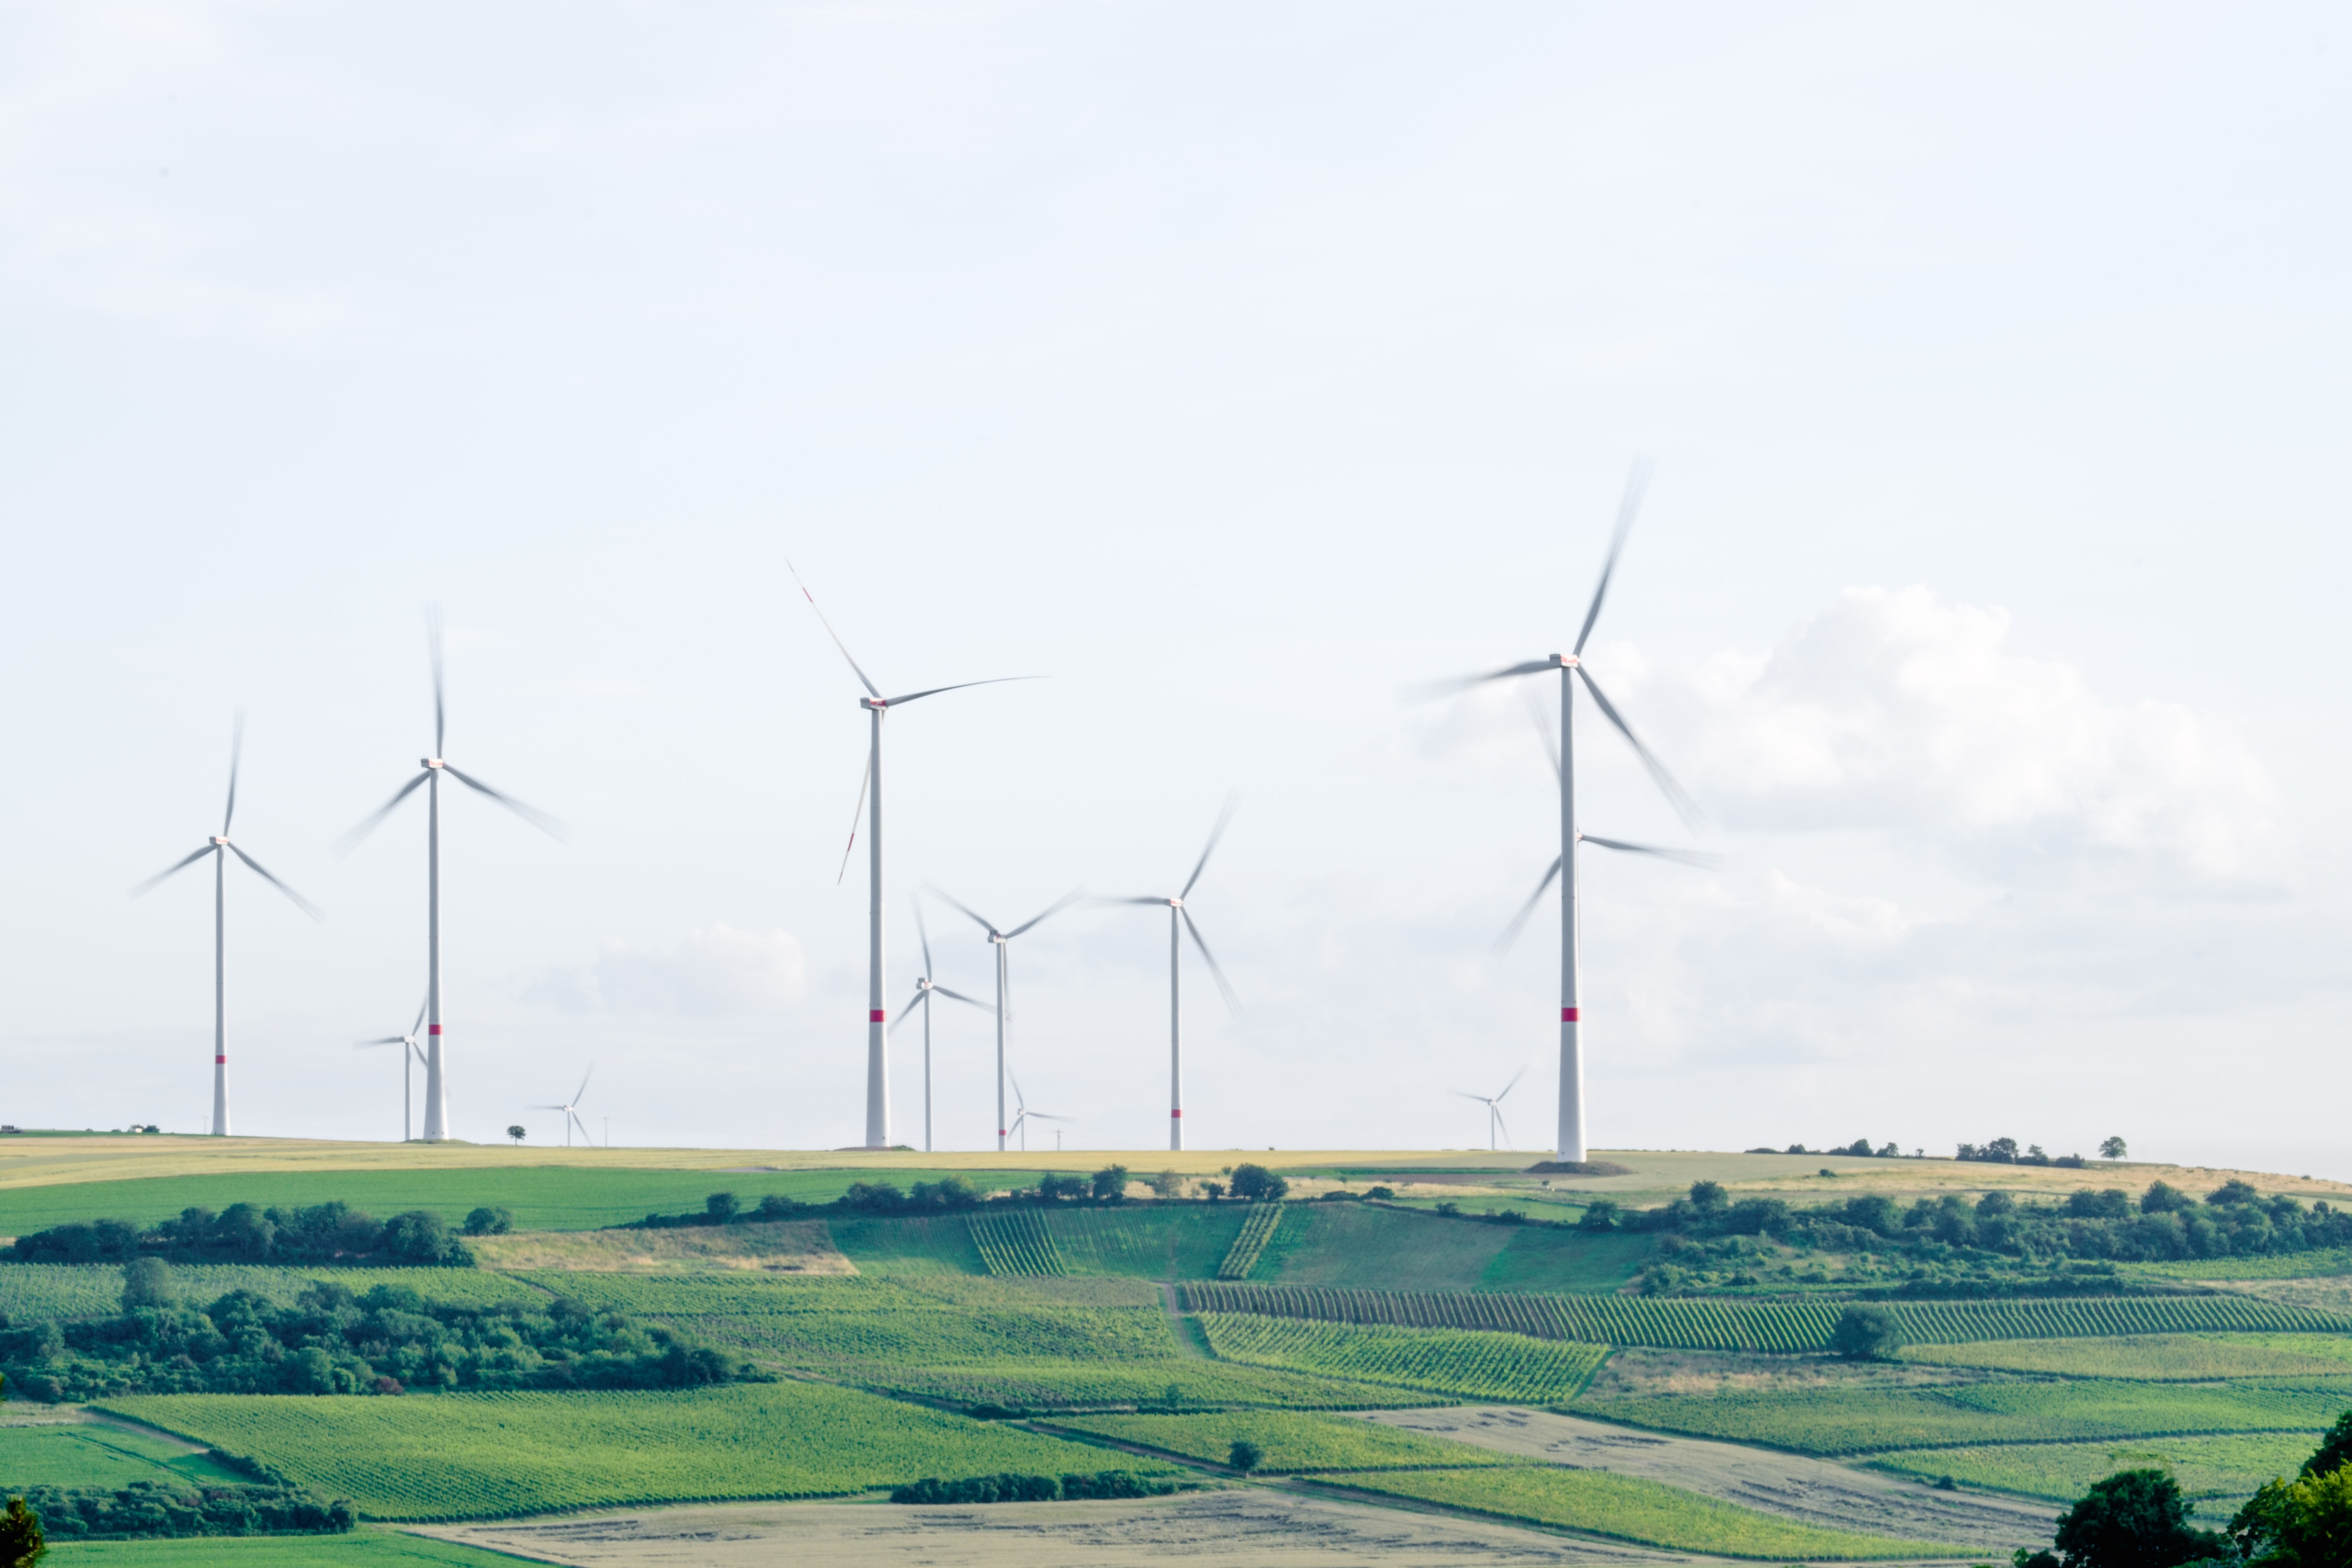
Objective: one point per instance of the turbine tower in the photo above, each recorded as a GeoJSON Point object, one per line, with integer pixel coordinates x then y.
{"type": "Point", "coordinates": [409, 1057]}
{"type": "Point", "coordinates": [1001, 941]}
{"type": "Point", "coordinates": [1178, 915]}
{"type": "Point", "coordinates": [877, 1060]}
{"type": "Point", "coordinates": [430, 769]}
{"type": "Point", "coordinates": [1570, 1140]}
{"type": "Point", "coordinates": [924, 987]}
{"type": "Point", "coordinates": [1494, 1104]}
{"type": "Point", "coordinates": [1025, 1116]}
{"type": "Point", "coordinates": [219, 848]}
{"type": "Point", "coordinates": [571, 1108]}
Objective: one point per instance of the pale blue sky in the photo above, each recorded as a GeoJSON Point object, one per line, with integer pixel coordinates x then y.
{"type": "Point", "coordinates": [1236, 367]}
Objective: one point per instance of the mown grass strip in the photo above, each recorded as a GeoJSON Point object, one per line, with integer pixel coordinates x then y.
{"type": "Point", "coordinates": [1469, 1362]}
{"type": "Point", "coordinates": [1048, 1386]}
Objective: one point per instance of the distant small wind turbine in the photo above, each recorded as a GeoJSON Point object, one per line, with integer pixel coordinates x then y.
{"type": "Point", "coordinates": [1178, 914]}
{"type": "Point", "coordinates": [1000, 940]}
{"type": "Point", "coordinates": [1494, 1104]}
{"type": "Point", "coordinates": [219, 848]}
{"type": "Point", "coordinates": [1025, 1116]}
{"type": "Point", "coordinates": [924, 987]}
{"type": "Point", "coordinates": [409, 1058]}
{"type": "Point", "coordinates": [571, 1108]}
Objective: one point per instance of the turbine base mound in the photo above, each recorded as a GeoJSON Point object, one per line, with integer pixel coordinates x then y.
{"type": "Point", "coordinates": [1576, 1168]}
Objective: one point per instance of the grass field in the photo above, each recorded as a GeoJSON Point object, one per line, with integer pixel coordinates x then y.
{"type": "Point", "coordinates": [1144, 1241]}
{"type": "Point", "coordinates": [1052, 1385]}
{"type": "Point", "coordinates": [1443, 1360]}
{"type": "Point", "coordinates": [31, 1291]}
{"type": "Point", "coordinates": [2168, 1358]}
{"type": "Point", "coordinates": [361, 1549]}
{"type": "Point", "coordinates": [1850, 1420]}
{"type": "Point", "coordinates": [1292, 1441]}
{"type": "Point", "coordinates": [96, 1454]}
{"type": "Point", "coordinates": [2227, 1467]}
{"type": "Point", "coordinates": [2285, 1265]}
{"type": "Point", "coordinates": [781, 1246]}
{"type": "Point", "coordinates": [1633, 1509]}
{"type": "Point", "coordinates": [487, 1455]}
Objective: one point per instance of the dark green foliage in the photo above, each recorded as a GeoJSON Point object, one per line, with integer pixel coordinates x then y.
{"type": "Point", "coordinates": [1387, 1193]}
{"type": "Point", "coordinates": [323, 1233]}
{"type": "Point", "coordinates": [1032, 1489]}
{"type": "Point", "coordinates": [2302, 1523]}
{"type": "Point", "coordinates": [2334, 1449]}
{"type": "Point", "coordinates": [1245, 1456]}
{"type": "Point", "coordinates": [2135, 1518]}
{"type": "Point", "coordinates": [1055, 1185]}
{"type": "Point", "coordinates": [720, 1208]}
{"type": "Point", "coordinates": [1256, 1183]}
{"type": "Point", "coordinates": [1109, 1184]}
{"type": "Point", "coordinates": [1599, 1214]}
{"type": "Point", "coordinates": [332, 1342]}
{"type": "Point", "coordinates": [21, 1541]}
{"type": "Point", "coordinates": [489, 1221]}
{"type": "Point", "coordinates": [1866, 1333]}
{"type": "Point", "coordinates": [147, 1283]}
{"type": "Point", "coordinates": [1706, 1196]}
{"type": "Point", "coordinates": [152, 1509]}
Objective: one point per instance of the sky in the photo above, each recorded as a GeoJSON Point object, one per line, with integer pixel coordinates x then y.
{"type": "Point", "coordinates": [1236, 371]}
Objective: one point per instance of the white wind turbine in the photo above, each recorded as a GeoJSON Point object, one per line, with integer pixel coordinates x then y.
{"type": "Point", "coordinates": [1001, 941]}
{"type": "Point", "coordinates": [1178, 915]}
{"type": "Point", "coordinates": [436, 1082]}
{"type": "Point", "coordinates": [877, 1060]}
{"type": "Point", "coordinates": [1570, 666]}
{"type": "Point", "coordinates": [219, 848]}
{"type": "Point", "coordinates": [1025, 1116]}
{"type": "Point", "coordinates": [571, 1108]}
{"type": "Point", "coordinates": [409, 1057]}
{"type": "Point", "coordinates": [1494, 1104]}
{"type": "Point", "coordinates": [924, 987]}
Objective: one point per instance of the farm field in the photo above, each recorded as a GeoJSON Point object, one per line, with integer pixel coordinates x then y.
{"type": "Point", "coordinates": [1045, 1386]}
{"type": "Point", "coordinates": [791, 1247]}
{"type": "Point", "coordinates": [1632, 1508]}
{"type": "Point", "coordinates": [476, 1455]}
{"type": "Point", "coordinates": [1292, 1441]}
{"type": "Point", "coordinates": [2229, 1467]}
{"type": "Point", "coordinates": [1468, 1365]}
{"type": "Point", "coordinates": [85, 1453]}
{"type": "Point", "coordinates": [362, 1548]}
{"type": "Point", "coordinates": [1144, 1241]}
{"type": "Point", "coordinates": [2165, 1358]}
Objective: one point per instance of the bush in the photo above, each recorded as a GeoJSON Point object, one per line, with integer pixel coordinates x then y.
{"type": "Point", "coordinates": [1009, 1487]}
{"type": "Point", "coordinates": [242, 1232]}
{"type": "Point", "coordinates": [1109, 1184]}
{"type": "Point", "coordinates": [1866, 1333]}
{"type": "Point", "coordinates": [1599, 1214]}
{"type": "Point", "coordinates": [2136, 1519]}
{"type": "Point", "coordinates": [1245, 1456]}
{"type": "Point", "coordinates": [1054, 1186]}
{"type": "Point", "coordinates": [1383, 1193]}
{"type": "Point", "coordinates": [488, 1221]}
{"type": "Point", "coordinates": [1256, 1183]}
{"type": "Point", "coordinates": [158, 1510]}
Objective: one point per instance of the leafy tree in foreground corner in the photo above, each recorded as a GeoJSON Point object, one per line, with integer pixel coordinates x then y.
{"type": "Point", "coordinates": [2134, 1519]}
{"type": "Point", "coordinates": [515, 1133]}
{"type": "Point", "coordinates": [2113, 1149]}
{"type": "Point", "coordinates": [2302, 1523]}
{"type": "Point", "coordinates": [21, 1545]}
{"type": "Point", "coordinates": [2334, 1449]}
{"type": "Point", "coordinates": [1246, 1456]}
{"type": "Point", "coordinates": [1866, 1333]}
{"type": "Point", "coordinates": [1256, 1183]}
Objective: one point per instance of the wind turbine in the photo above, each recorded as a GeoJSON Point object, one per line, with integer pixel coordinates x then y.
{"type": "Point", "coordinates": [877, 1061]}
{"type": "Point", "coordinates": [571, 1108]}
{"type": "Point", "coordinates": [1025, 1116]}
{"type": "Point", "coordinates": [1002, 940]}
{"type": "Point", "coordinates": [1494, 1104]}
{"type": "Point", "coordinates": [1570, 1141]}
{"type": "Point", "coordinates": [924, 987]}
{"type": "Point", "coordinates": [430, 769]}
{"type": "Point", "coordinates": [408, 1059]}
{"type": "Point", "coordinates": [1178, 915]}
{"type": "Point", "coordinates": [219, 848]}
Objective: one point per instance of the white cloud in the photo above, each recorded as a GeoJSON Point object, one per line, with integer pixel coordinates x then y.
{"type": "Point", "coordinates": [715, 971]}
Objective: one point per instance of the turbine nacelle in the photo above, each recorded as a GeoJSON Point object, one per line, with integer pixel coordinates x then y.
{"type": "Point", "coordinates": [431, 762]}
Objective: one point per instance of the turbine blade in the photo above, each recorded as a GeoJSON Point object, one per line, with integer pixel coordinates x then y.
{"type": "Point", "coordinates": [1519, 921]}
{"type": "Point", "coordinates": [871, 690]}
{"type": "Point", "coordinates": [1120, 902]}
{"type": "Point", "coordinates": [904, 1013]}
{"type": "Point", "coordinates": [1048, 1116]}
{"type": "Point", "coordinates": [432, 649]}
{"type": "Point", "coordinates": [1496, 1111]}
{"type": "Point", "coordinates": [305, 905]}
{"type": "Point", "coordinates": [943, 990]}
{"type": "Point", "coordinates": [235, 755]}
{"type": "Point", "coordinates": [1628, 509]}
{"type": "Point", "coordinates": [176, 866]}
{"type": "Point", "coordinates": [1541, 717]}
{"type": "Point", "coordinates": [582, 1093]}
{"type": "Point", "coordinates": [387, 1040]}
{"type": "Point", "coordinates": [1064, 902]}
{"type": "Point", "coordinates": [421, 1006]}
{"type": "Point", "coordinates": [548, 825]}
{"type": "Point", "coordinates": [1676, 796]}
{"type": "Point", "coordinates": [1466, 1094]}
{"type": "Point", "coordinates": [1022, 1104]}
{"type": "Point", "coordinates": [855, 816]}
{"type": "Point", "coordinates": [1225, 820]}
{"type": "Point", "coordinates": [1431, 691]}
{"type": "Point", "coordinates": [981, 919]}
{"type": "Point", "coordinates": [1224, 986]}
{"type": "Point", "coordinates": [1510, 1086]}
{"type": "Point", "coordinates": [351, 841]}
{"type": "Point", "coordinates": [584, 1136]}
{"type": "Point", "coordinates": [1705, 862]}
{"type": "Point", "coordinates": [959, 686]}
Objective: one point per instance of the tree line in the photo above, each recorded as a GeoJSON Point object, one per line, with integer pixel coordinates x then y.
{"type": "Point", "coordinates": [333, 1233]}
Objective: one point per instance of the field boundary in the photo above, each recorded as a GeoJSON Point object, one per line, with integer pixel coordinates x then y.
{"type": "Point", "coordinates": [1255, 1231]}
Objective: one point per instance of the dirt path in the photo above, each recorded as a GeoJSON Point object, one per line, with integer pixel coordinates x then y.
{"type": "Point", "coordinates": [1813, 1490]}
{"type": "Point", "coordinates": [1181, 1326]}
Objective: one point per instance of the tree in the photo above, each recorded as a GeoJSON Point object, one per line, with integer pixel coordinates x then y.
{"type": "Point", "coordinates": [516, 1132]}
{"type": "Point", "coordinates": [1256, 1183]}
{"type": "Point", "coordinates": [21, 1545]}
{"type": "Point", "coordinates": [1110, 1183]}
{"type": "Point", "coordinates": [1055, 1185]}
{"type": "Point", "coordinates": [1866, 1333]}
{"type": "Point", "coordinates": [2135, 1518]}
{"type": "Point", "coordinates": [1246, 1456]}
{"type": "Point", "coordinates": [1708, 1195]}
{"type": "Point", "coordinates": [2162, 1197]}
{"type": "Point", "coordinates": [147, 1283]}
{"type": "Point", "coordinates": [720, 1208]}
{"type": "Point", "coordinates": [1599, 1214]}
{"type": "Point", "coordinates": [2113, 1149]}
{"type": "Point", "coordinates": [2334, 1449]}
{"type": "Point", "coordinates": [2302, 1523]}
{"type": "Point", "coordinates": [1214, 1189]}
{"type": "Point", "coordinates": [1167, 1185]}
{"type": "Point", "coordinates": [489, 1222]}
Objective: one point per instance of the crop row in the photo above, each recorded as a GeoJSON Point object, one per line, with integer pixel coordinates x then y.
{"type": "Point", "coordinates": [942, 1338]}
{"type": "Point", "coordinates": [1015, 1243]}
{"type": "Point", "coordinates": [1178, 1383]}
{"type": "Point", "coordinates": [1474, 1364]}
{"type": "Point", "coordinates": [2225, 1467]}
{"type": "Point", "coordinates": [1254, 1232]}
{"type": "Point", "coordinates": [2158, 1358]}
{"type": "Point", "coordinates": [1289, 1442]}
{"type": "Point", "coordinates": [1737, 1325]}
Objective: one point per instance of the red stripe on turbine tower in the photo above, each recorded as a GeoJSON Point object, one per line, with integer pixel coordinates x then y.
{"type": "Point", "coordinates": [434, 1030]}
{"type": "Point", "coordinates": [1567, 1015]}
{"type": "Point", "coordinates": [220, 1061]}
{"type": "Point", "coordinates": [1175, 1113]}
{"type": "Point", "coordinates": [875, 1016]}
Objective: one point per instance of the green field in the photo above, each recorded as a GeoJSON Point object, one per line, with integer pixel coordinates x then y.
{"type": "Point", "coordinates": [95, 1454]}
{"type": "Point", "coordinates": [1474, 1365]}
{"type": "Point", "coordinates": [1052, 1385]}
{"type": "Point", "coordinates": [1015, 1242]}
{"type": "Point", "coordinates": [1176, 1241]}
{"type": "Point", "coordinates": [33, 1290]}
{"type": "Point", "coordinates": [1291, 1441]}
{"type": "Point", "coordinates": [1633, 1509]}
{"type": "Point", "coordinates": [1845, 1420]}
{"type": "Point", "coordinates": [2229, 1466]}
{"type": "Point", "coordinates": [2165, 1358]}
{"type": "Point", "coordinates": [361, 1549]}
{"type": "Point", "coordinates": [487, 1455]}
